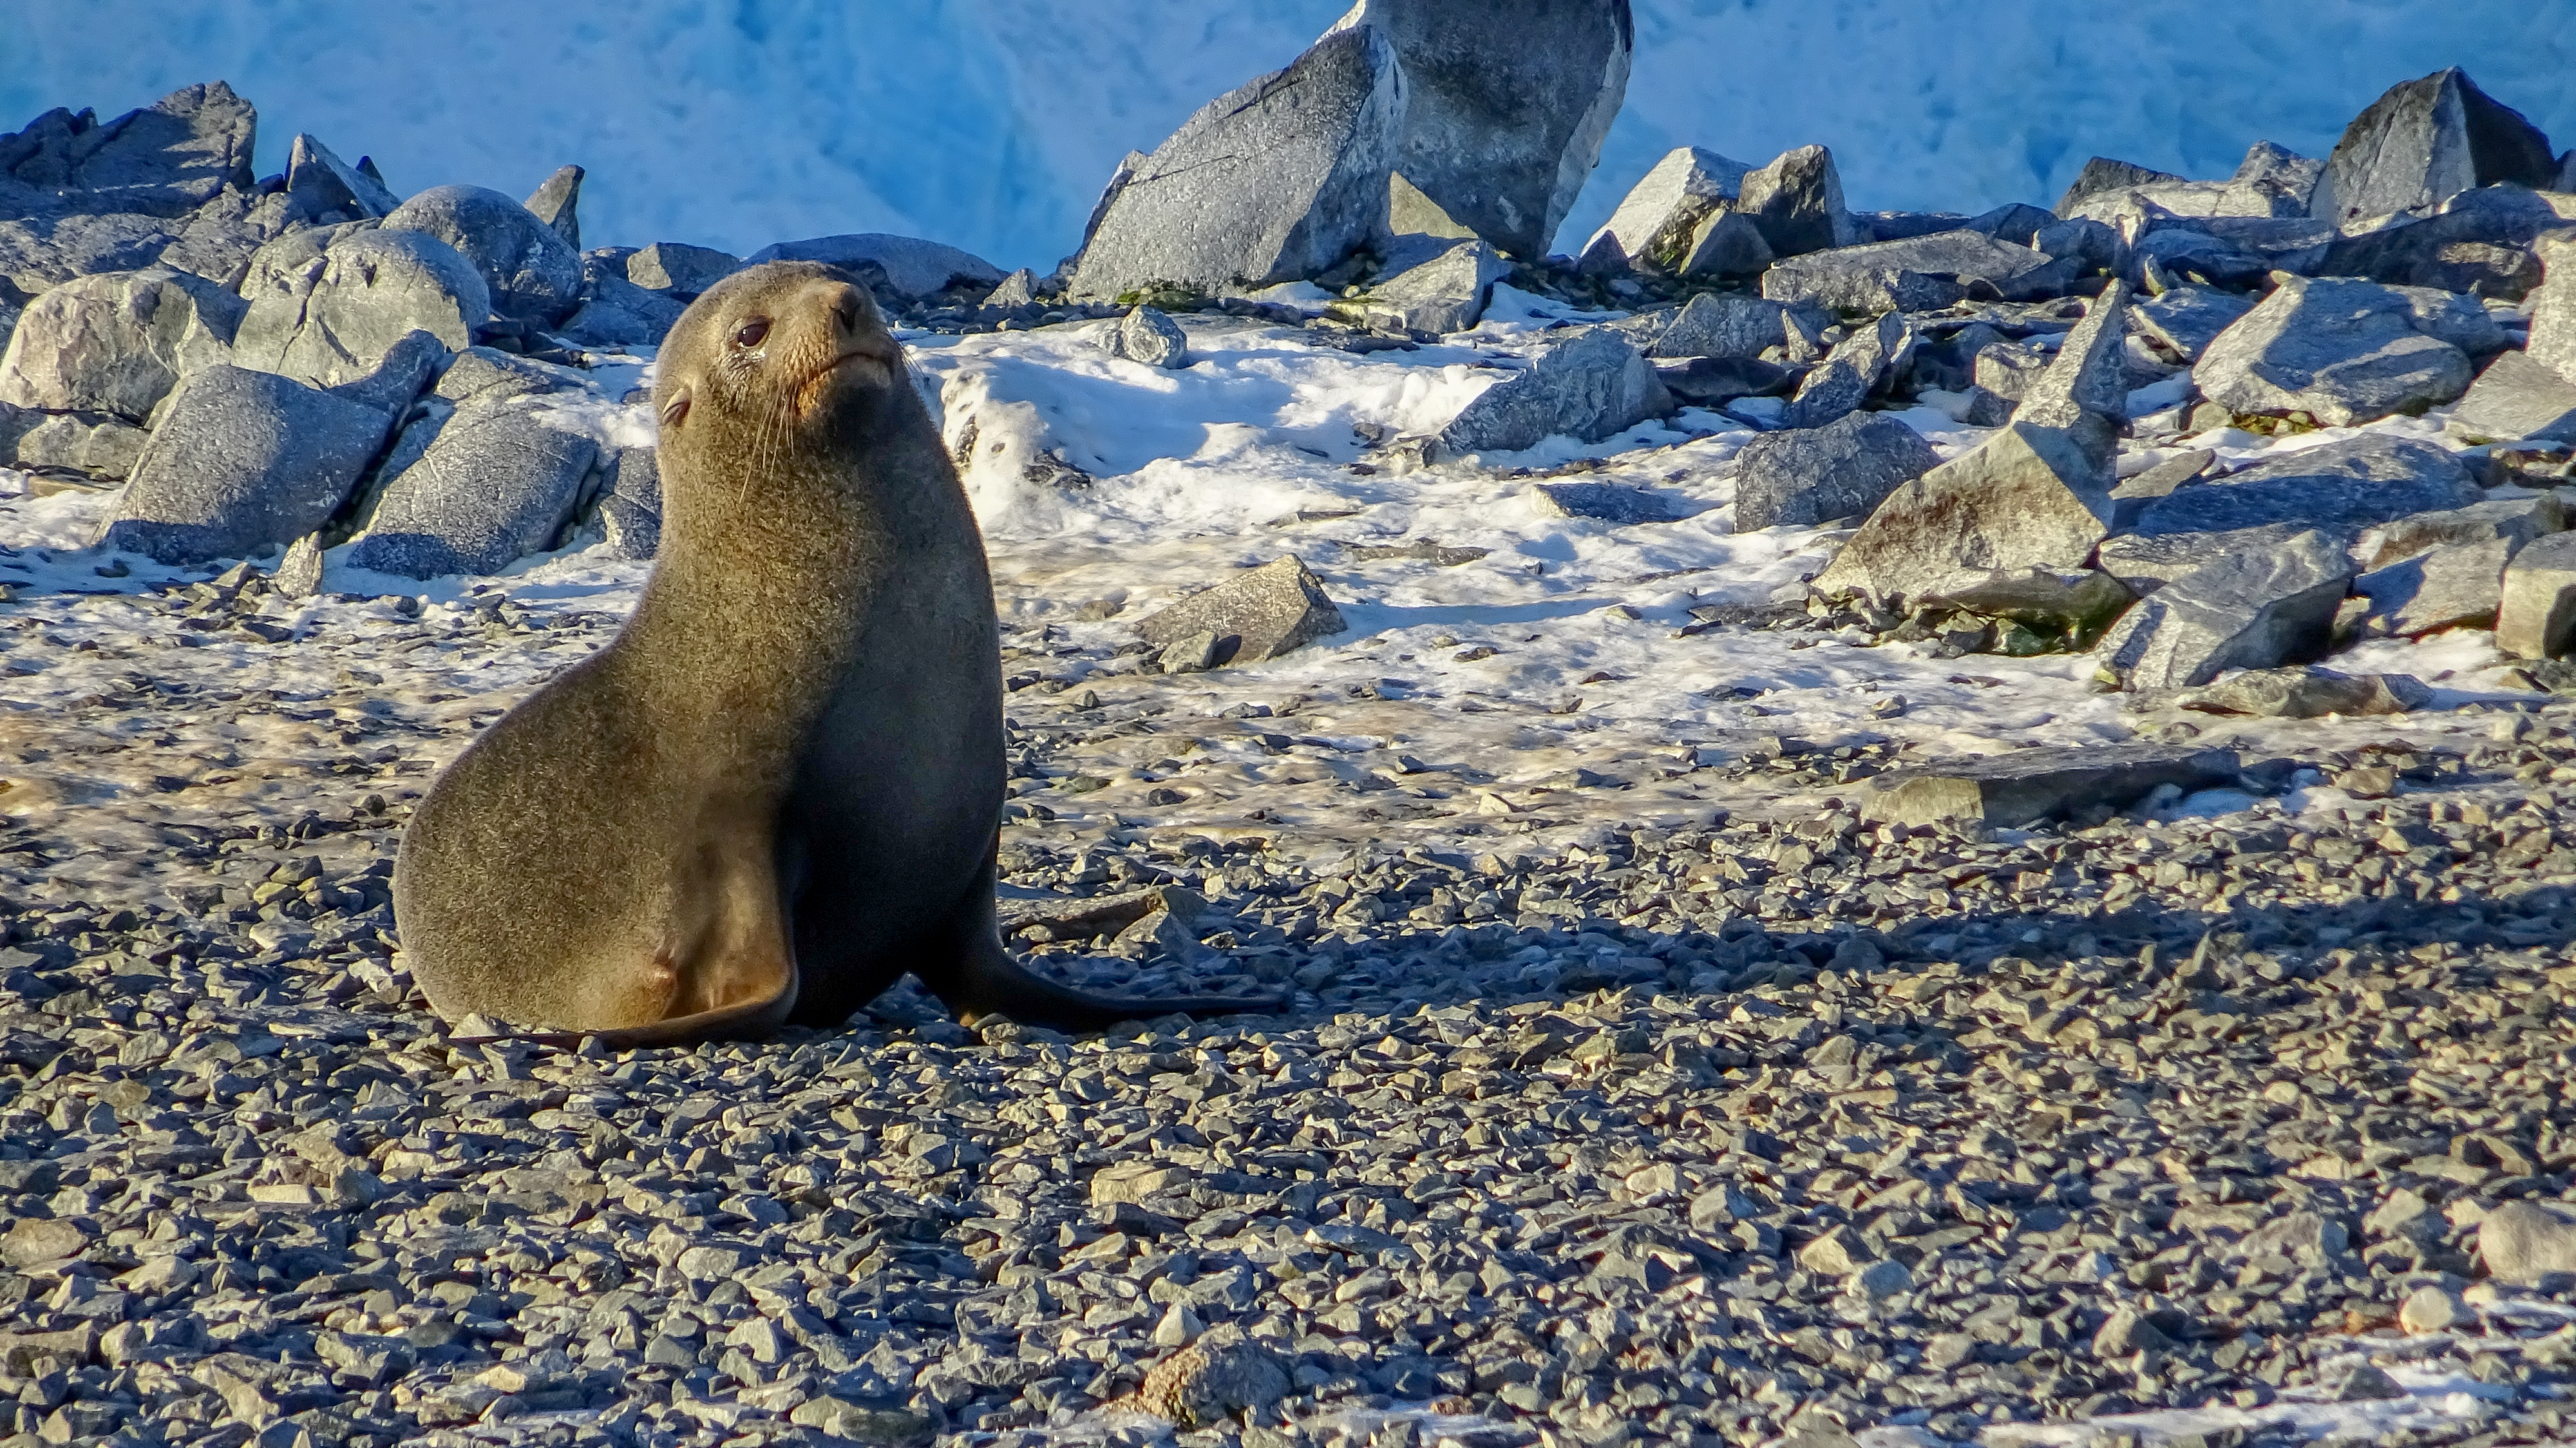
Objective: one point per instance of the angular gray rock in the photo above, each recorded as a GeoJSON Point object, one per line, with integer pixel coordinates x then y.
{"type": "Point", "coordinates": [2273, 180]}
{"type": "Point", "coordinates": [1589, 388]}
{"type": "Point", "coordinates": [330, 315]}
{"type": "Point", "coordinates": [117, 342]}
{"type": "Point", "coordinates": [557, 203]}
{"type": "Point", "coordinates": [89, 443]}
{"type": "Point", "coordinates": [618, 313]}
{"type": "Point", "coordinates": [1859, 367]}
{"type": "Point", "coordinates": [630, 506]}
{"type": "Point", "coordinates": [2009, 369]}
{"type": "Point", "coordinates": [2453, 585]}
{"type": "Point", "coordinates": [1797, 203]}
{"type": "Point", "coordinates": [682, 270]}
{"type": "Point", "coordinates": [1921, 274]}
{"type": "Point", "coordinates": [1720, 324]}
{"type": "Point", "coordinates": [2250, 610]}
{"type": "Point", "coordinates": [1725, 244]}
{"type": "Point", "coordinates": [2425, 141]}
{"type": "Point", "coordinates": [242, 461]}
{"type": "Point", "coordinates": [2553, 305]}
{"type": "Point", "coordinates": [2523, 1242]}
{"type": "Point", "coordinates": [2188, 319]}
{"type": "Point", "coordinates": [2091, 245]}
{"type": "Point", "coordinates": [2343, 352]}
{"type": "Point", "coordinates": [2144, 563]}
{"type": "Point", "coordinates": [2101, 176]}
{"type": "Point", "coordinates": [1807, 476]}
{"type": "Point", "coordinates": [320, 185]}
{"type": "Point", "coordinates": [2536, 615]}
{"type": "Point", "coordinates": [1146, 335]}
{"type": "Point", "coordinates": [1276, 181]}
{"type": "Point", "coordinates": [1019, 289]}
{"type": "Point", "coordinates": [1442, 286]}
{"type": "Point", "coordinates": [532, 275]}
{"type": "Point", "coordinates": [2309, 693]}
{"type": "Point", "coordinates": [912, 268]}
{"type": "Point", "coordinates": [2479, 243]}
{"type": "Point", "coordinates": [1660, 215]}
{"type": "Point", "coordinates": [399, 378]}
{"type": "Point", "coordinates": [166, 159]}
{"type": "Point", "coordinates": [1258, 614]}
{"type": "Point", "coordinates": [2343, 487]}
{"type": "Point", "coordinates": [1411, 213]}
{"type": "Point", "coordinates": [497, 484]}
{"type": "Point", "coordinates": [2516, 521]}
{"type": "Point", "coordinates": [2035, 495]}
{"type": "Point", "coordinates": [1506, 105]}
{"type": "Point", "coordinates": [1603, 502]}
{"type": "Point", "coordinates": [2008, 791]}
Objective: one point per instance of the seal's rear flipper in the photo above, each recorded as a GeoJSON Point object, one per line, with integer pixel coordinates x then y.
{"type": "Point", "coordinates": [991, 983]}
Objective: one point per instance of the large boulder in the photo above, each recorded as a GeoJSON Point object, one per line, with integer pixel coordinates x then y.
{"type": "Point", "coordinates": [1434, 285]}
{"type": "Point", "coordinates": [2273, 180]}
{"type": "Point", "coordinates": [1276, 181]}
{"type": "Point", "coordinates": [241, 461]}
{"type": "Point", "coordinates": [2102, 176]}
{"type": "Point", "coordinates": [37, 252]}
{"type": "Point", "coordinates": [908, 266]}
{"type": "Point", "coordinates": [1506, 105]}
{"type": "Point", "coordinates": [499, 482]}
{"type": "Point", "coordinates": [166, 159]}
{"type": "Point", "coordinates": [682, 270]}
{"type": "Point", "coordinates": [117, 342]}
{"type": "Point", "coordinates": [1920, 274]}
{"type": "Point", "coordinates": [2035, 495]}
{"type": "Point", "coordinates": [557, 203]}
{"type": "Point", "coordinates": [1807, 476]}
{"type": "Point", "coordinates": [2343, 352]}
{"type": "Point", "coordinates": [2424, 142]}
{"type": "Point", "coordinates": [1656, 221]}
{"type": "Point", "coordinates": [532, 275]}
{"type": "Point", "coordinates": [1589, 388]}
{"type": "Point", "coordinates": [321, 187]}
{"type": "Point", "coordinates": [2536, 616]}
{"type": "Point", "coordinates": [2248, 610]}
{"type": "Point", "coordinates": [329, 310]}
{"type": "Point", "coordinates": [2449, 586]}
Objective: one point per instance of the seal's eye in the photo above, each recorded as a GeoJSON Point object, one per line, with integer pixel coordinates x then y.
{"type": "Point", "coordinates": [752, 332]}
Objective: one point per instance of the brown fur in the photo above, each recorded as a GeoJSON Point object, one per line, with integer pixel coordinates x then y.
{"type": "Point", "coordinates": [776, 791]}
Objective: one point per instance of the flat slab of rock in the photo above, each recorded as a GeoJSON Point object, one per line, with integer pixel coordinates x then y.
{"type": "Point", "coordinates": [1506, 105]}
{"type": "Point", "coordinates": [2517, 521]}
{"type": "Point", "coordinates": [1443, 292]}
{"type": "Point", "coordinates": [913, 268]}
{"type": "Point", "coordinates": [2309, 693]}
{"type": "Point", "coordinates": [2188, 319]}
{"type": "Point", "coordinates": [2451, 586]}
{"type": "Point", "coordinates": [2247, 610]}
{"type": "Point", "coordinates": [2346, 485]}
{"type": "Point", "coordinates": [1589, 388]}
{"type": "Point", "coordinates": [2425, 141]}
{"type": "Point", "coordinates": [1322, 135]}
{"type": "Point", "coordinates": [1806, 476]}
{"type": "Point", "coordinates": [1604, 502]}
{"type": "Point", "coordinates": [2343, 352]}
{"type": "Point", "coordinates": [241, 461]}
{"type": "Point", "coordinates": [2518, 398]}
{"type": "Point", "coordinates": [1920, 274]}
{"type": "Point", "coordinates": [2536, 616]}
{"type": "Point", "coordinates": [1258, 614]}
{"type": "Point", "coordinates": [2008, 791]}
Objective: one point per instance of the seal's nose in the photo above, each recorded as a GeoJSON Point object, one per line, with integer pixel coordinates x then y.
{"type": "Point", "coordinates": [848, 307]}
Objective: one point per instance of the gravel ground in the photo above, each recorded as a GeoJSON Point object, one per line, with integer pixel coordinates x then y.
{"type": "Point", "coordinates": [1772, 1125]}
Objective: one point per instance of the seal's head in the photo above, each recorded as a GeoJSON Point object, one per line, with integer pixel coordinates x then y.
{"type": "Point", "coordinates": [778, 352]}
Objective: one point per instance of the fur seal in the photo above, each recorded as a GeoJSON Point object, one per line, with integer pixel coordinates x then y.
{"type": "Point", "coordinates": [779, 788]}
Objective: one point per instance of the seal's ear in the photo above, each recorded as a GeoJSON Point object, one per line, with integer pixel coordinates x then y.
{"type": "Point", "coordinates": [675, 409]}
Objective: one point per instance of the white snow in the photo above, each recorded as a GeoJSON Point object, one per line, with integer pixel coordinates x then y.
{"type": "Point", "coordinates": [993, 124]}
